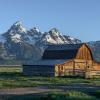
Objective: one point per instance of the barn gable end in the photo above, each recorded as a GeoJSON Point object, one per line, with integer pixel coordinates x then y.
{"type": "Point", "coordinates": [84, 52]}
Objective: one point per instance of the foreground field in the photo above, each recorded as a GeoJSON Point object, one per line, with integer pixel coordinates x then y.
{"type": "Point", "coordinates": [12, 77]}
{"type": "Point", "coordinates": [69, 95]}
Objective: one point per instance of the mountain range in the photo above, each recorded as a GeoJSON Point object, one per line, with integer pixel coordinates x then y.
{"type": "Point", "coordinates": [18, 43]}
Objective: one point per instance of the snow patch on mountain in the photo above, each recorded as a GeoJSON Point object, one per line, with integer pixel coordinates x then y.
{"type": "Point", "coordinates": [16, 38]}
{"type": "Point", "coordinates": [19, 27]}
{"type": "Point", "coordinates": [55, 37]}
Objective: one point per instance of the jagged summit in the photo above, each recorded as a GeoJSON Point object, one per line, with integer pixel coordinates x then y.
{"type": "Point", "coordinates": [18, 27]}
{"type": "Point", "coordinates": [34, 29]}
{"type": "Point", "coordinates": [54, 31]}
{"type": "Point", "coordinates": [18, 23]}
{"type": "Point", "coordinates": [17, 33]}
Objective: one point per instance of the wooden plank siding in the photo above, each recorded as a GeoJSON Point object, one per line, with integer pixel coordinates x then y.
{"type": "Point", "coordinates": [84, 53]}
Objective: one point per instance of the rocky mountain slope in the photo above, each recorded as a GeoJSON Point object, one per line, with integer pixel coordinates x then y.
{"type": "Point", "coordinates": [20, 43]}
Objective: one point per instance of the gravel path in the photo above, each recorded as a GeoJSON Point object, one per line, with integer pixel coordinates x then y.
{"type": "Point", "coordinates": [34, 90]}
{"type": "Point", "coordinates": [29, 90]}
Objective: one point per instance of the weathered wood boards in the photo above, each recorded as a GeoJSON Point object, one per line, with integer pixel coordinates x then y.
{"type": "Point", "coordinates": [84, 53]}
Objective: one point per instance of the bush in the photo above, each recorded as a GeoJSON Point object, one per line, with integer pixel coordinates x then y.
{"type": "Point", "coordinates": [78, 95]}
{"type": "Point", "coordinates": [97, 93]}
{"type": "Point", "coordinates": [69, 95]}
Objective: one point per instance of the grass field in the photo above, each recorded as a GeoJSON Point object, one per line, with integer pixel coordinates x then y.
{"type": "Point", "coordinates": [12, 77]}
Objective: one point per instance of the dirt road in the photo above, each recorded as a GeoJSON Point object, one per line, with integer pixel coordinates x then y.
{"type": "Point", "coordinates": [34, 90]}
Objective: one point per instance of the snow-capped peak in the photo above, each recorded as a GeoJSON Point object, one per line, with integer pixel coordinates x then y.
{"type": "Point", "coordinates": [55, 37]}
{"type": "Point", "coordinates": [54, 32]}
{"type": "Point", "coordinates": [34, 29]}
{"type": "Point", "coordinates": [18, 23]}
{"type": "Point", "coordinates": [18, 27]}
{"type": "Point", "coordinates": [18, 34]}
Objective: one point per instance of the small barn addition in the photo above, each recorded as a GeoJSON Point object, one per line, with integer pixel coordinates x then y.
{"type": "Point", "coordinates": [65, 60]}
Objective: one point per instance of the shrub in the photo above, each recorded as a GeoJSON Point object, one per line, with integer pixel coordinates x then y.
{"type": "Point", "coordinates": [97, 93]}
{"type": "Point", "coordinates": [69, 95]}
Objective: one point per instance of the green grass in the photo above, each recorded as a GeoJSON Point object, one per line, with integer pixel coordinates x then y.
{"type": "Point", "coordinates": [69, 95]}
{"type": "Point", "coordinates": [11, 69]}
{"type": "Point", "coordinates": [12, 77]}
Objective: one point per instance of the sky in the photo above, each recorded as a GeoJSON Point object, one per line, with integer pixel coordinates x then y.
{"type": "Point", "coordinates": [77, 18]}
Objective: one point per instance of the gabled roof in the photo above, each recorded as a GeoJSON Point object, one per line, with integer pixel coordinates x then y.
{"type": "Point", "coordinates": [64, 51]}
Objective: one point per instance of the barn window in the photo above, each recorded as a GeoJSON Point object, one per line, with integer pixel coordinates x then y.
{"type": "Point", "coordinates": [87, 66]}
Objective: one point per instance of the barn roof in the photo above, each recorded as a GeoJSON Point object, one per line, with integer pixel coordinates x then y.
{"type": "Point", "coordinates": [64, 47]}
{"type": "Point", "coordinates": [63, 51]}
{"type": "Point", "coordinates": [46, 62]}
{"type": "Point", "coordinates": [57, 54]}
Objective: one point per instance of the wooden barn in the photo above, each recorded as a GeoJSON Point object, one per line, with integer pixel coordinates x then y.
{"type": "Point", "coordinates": [65, 60]}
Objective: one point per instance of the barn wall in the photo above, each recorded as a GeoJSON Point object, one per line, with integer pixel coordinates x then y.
{"type": "Point", "coordinates": [84, 53]}
{"type": "Point", "coordinates": [59, 70]}
{"type": "Point", "coordinates": [94, 71]}
{"type": "Point", "coordinates": [64, 69]}
{"type": "Point", "coordinates": [74, 67]}
{"type": "Point", "coordinates": [38, 70]}
{"type": "Point", "coordinates": [69, 68]}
